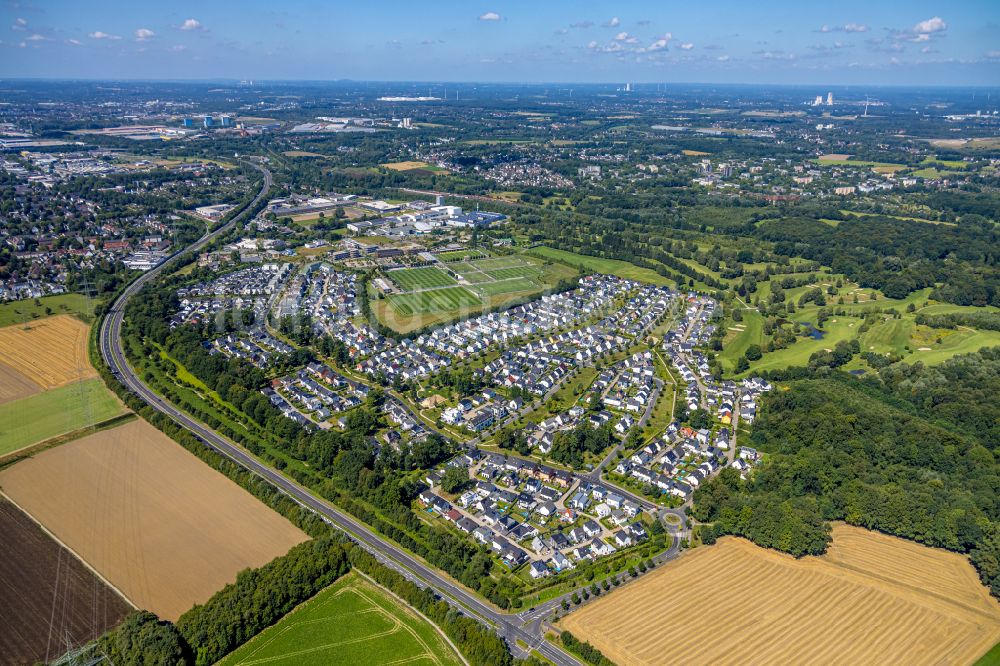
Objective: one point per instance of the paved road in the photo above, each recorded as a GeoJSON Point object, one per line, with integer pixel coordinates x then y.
{"type": "Point", "coordinates": [510, 627]}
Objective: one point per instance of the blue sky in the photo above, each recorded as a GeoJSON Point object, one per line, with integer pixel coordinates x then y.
{"type": "Point", "coordinates": [843, 42]}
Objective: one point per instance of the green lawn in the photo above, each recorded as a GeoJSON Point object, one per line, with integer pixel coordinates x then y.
{"type": "Point", "coordinates": [434, 300]}
{"type": "Point", "coordinates": [899, 217]}
{"type": "Point", "coordinates": [351, 622]}
{"type": "Point", "coordinates": [878, 166]}
{"type": "Point", "coordinates": [991, 658]}
{"type": "Point", "coordinates": [16, 312]}
{"type": "Point", "coordinates": [835, 329]}
{"type": "Point", "coordinates": [736, 341]}
{"type": "Point", "coordinates": [428, 277]}
{"type": "Point", "coordinates": [514, 272]}
{"type": "Point", "coordinates": [622, 269]}
{"type": "Point", "coordinates": [457, 255]}
{"type": "Point", "coordinates": [506, 287]}
{"type": "Point", "coordinates": [38, 417]}
{"type": "Point", "coordinates": [889, 336]}
{"type": "Point", "coordinates": [961, 341]}
{"type": "Point", "coordinates": [951, 164]}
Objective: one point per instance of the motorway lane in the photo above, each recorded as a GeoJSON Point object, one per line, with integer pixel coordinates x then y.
{"type": "Point", "coordinates": [507, 626]}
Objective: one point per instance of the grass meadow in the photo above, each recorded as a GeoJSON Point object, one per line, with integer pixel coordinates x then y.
{"type": "Point", "coordinates": [351, 622]}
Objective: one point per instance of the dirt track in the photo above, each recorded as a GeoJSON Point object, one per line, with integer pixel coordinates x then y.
{"type": "Point", "coordinates": [158, 523]}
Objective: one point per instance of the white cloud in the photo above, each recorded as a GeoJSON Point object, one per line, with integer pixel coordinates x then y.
{"type": "Point", "coordinates": [723, 58]}
{"type": "Point", "coordinates": [847, 27]}
{"type": "Point", "coordinates": [102, 35]}
{"type": "Point", "coordinates": [582, 25]}
{"type": "Point", "coordinates": [177, 48]}
{"type": "Point", "coordinates": [660, 44]}
{"type": "Point", "coordinates": [993, 55]}
{"type": "Point", "coordinates": [19, 24]}
{"type": "Point", "coordinates": [191, 24]}
{"type": "Point", "coordinates": [935, 24]}
{"type": "Point", "coordinates": [613, 47]}
{"type": "Point", "coordinates": [686, 46]}
{"type": "Point", "coordinates": [142, 34]}
{"type": "Point", "coordinates": [74, 42]}
{"type": "Point", "coordinates": [489, 16]}
{"type": "Point", "coordinates": [775, 55]}
{"type": "Point", "coordinates": [37, 38]}
{"type": "Point", "coordinates": [613, 22]}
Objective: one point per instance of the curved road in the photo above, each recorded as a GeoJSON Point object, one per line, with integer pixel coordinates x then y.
{"type": "Point", "coordinates": [510, 627]}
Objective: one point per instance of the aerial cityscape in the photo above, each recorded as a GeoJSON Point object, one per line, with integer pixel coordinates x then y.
{"type": "Point", "coordinates": [553, 334]}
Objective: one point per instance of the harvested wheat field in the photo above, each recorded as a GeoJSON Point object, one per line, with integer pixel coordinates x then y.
{"type": "Point", "coordinates": [14, 385]}
{"type": "Point", "coordinates": [873, 599]}
{"type": "Point", "coordinates": [50, 352]}
{"type": "Point", "coordinates": [158, 523]}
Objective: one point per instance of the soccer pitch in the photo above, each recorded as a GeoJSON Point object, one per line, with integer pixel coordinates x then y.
{"type": "Point", "coordinates": [351, 622]}
{"type": "Point", "coordinates": [428, 277]}
{"type": "Point", "coordinates": [434, 300]}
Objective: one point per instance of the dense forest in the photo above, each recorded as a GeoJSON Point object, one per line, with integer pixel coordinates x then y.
{"type": "Point", "coordinates": [911, 452]}
{"type": "Point", "coordinates": [899, 256]}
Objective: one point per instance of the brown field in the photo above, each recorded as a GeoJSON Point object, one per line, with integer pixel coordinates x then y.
{"type": "Point", "coordinates": [48, 598]}
{"type": "Point", "coordinates": [14, 385]}
{"type": "Point", "coordinates": [838, 157]}
{"type": "Point", "coordinates": [154, 520]}
{"type": "Point", "coordinates": [694, 153]}
{"type": "Point", "coordinates": [404, 166]}
{"type": "Point", "coordinates": [50, 352]}
{"type": "Point", "coordinates": [872, 599]}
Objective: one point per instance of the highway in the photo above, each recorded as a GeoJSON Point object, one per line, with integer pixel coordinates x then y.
{"type": "Point", "coordinates": [510, 627]}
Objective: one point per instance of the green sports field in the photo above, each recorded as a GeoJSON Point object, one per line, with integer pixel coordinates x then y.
{"type": "Point", "coordinates": [507, 287]}
{"type": "Point", "coordinates": [622, 269]}
{"type": "Point", "coordinates": [430, 295]}
{"type": "Point", "coordinates": [38, 417]}
{"type": "Point", "coordinates": [460, 255]}
{"type": "Point", "coordinates": [427, 277]}
{"type": "Point", "coordinates": [434, 300]}
{"type": "Point", "coordinates": [514, 272]}
{"type": "Point", "coordinates": [351, 622]}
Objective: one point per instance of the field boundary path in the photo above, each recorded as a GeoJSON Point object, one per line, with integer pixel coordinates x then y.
{"type": "Point", "coordinates": [507, 626]}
